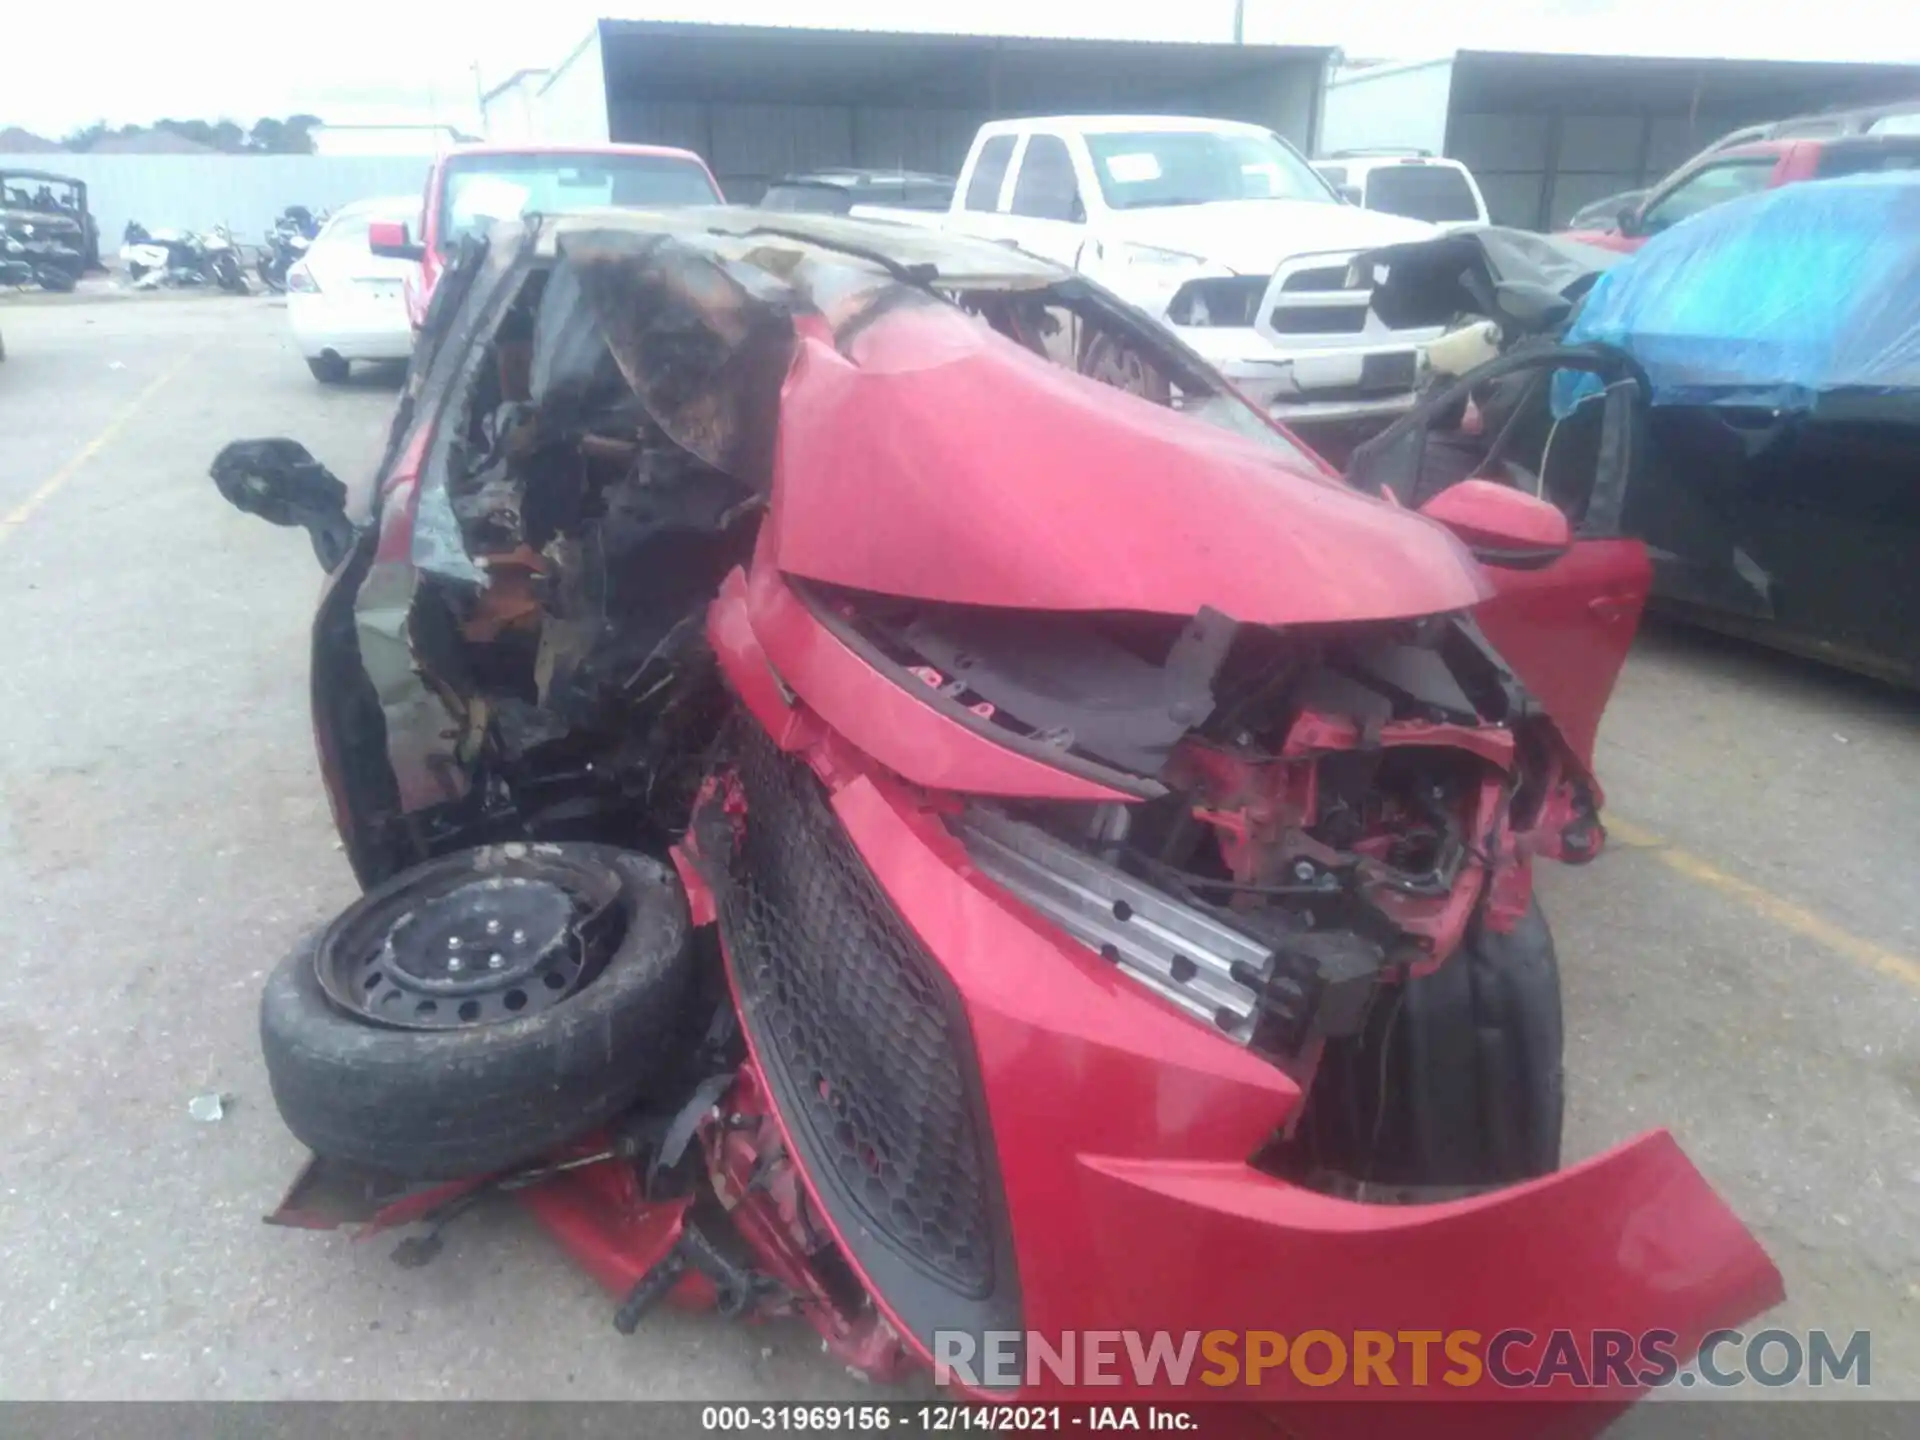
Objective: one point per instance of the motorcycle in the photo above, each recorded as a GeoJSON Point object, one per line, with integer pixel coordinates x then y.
{"type": "Point", "coordinates": [286, 244]}
{"type": "Point", "coordinates": [181, 258]}
{"type": "Point", "coordinates": [860, 821]}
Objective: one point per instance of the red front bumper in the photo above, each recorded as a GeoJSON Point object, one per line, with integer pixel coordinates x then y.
{"type": "Point", "coordinates": [1123, 1131]}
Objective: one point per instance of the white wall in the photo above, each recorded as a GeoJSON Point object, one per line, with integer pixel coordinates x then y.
{"type": "Point", "coordinates": [382, 139]}
{"type": "Point", "coordinates": [570, 106]}
{"type": "Point", "coordinates": [1400, 105]}
{"type": "Point", "coordinates": [245, 192]}
{"type": "Point", "coordinates": [508, 115]}
{"type": "Point", "coordinates": [1283, 97]}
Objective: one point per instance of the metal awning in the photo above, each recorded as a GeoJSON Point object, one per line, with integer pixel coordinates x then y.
{"type": "Point", "coordinates": [668, 60]}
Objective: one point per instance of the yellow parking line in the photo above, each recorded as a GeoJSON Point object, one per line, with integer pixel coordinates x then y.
{"type": "Point", "coordinates": [1767, 905]}
{"type": "Point", "coordinates": [51, 486]}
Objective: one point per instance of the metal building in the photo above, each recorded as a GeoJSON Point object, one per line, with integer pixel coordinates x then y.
{"type": "Point", "coordinates": [760, 102]}
{"type": "Point", "coordinates": [1548, 133]}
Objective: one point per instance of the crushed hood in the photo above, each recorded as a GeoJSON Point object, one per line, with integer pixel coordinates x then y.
{"type": "Point", "coordinates": [1252, 237]}
{"type": "Point", "coordinates": [907, 449]}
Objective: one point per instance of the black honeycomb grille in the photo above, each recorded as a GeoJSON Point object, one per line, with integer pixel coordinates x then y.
{"type": "Point", "coordinates": [841, 1000]}
{"type": "Point", "coordinates": [1328, 277]}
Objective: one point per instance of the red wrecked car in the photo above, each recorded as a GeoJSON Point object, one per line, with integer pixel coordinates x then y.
{"type": "Point", "coordinates": [862, 821]}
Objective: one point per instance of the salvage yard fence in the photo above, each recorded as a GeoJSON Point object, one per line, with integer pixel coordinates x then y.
{"type": "Point", "coordinates": [246, 192]}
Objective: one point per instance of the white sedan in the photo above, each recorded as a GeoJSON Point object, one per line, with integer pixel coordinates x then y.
{"type": "Point", "coordinates": [345, 302]}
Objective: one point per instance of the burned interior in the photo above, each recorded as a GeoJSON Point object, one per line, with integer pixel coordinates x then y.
{"type": "Point", "coordinates": [596, 486]}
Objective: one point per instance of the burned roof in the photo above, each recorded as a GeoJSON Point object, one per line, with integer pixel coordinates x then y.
{"type": "Point", "coordinates": [947, 260]}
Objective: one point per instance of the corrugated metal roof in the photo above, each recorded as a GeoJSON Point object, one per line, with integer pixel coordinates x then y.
{"type": "Point", "coordinates": [1204, 22]}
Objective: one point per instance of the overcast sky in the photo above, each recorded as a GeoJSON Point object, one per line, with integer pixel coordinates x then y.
{"type": "Point", "coordinates": [354, 61]}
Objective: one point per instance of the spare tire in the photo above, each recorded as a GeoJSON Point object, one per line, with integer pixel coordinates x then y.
{"type": "Point", "coordinates": [475, 1012]}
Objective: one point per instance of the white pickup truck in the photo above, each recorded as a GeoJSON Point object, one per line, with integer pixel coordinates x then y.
{"type": "Point", "coordinates": [1221, 231]}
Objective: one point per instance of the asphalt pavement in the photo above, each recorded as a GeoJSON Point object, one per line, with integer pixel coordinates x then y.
{"type": "Point", "coordinates": [1742, 966]}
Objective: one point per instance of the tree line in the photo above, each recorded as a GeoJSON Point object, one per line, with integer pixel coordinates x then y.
{"type": "Point", "coordinates": [267, 135]}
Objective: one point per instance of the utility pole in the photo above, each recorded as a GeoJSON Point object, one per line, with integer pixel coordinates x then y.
{"type": "Point", "coordinates": [1239, 22]}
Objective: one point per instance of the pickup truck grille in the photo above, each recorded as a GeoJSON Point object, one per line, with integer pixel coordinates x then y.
{"type": "Point", "coordinates": [1310, 296]}
{"type": "Point", "coordinates": [1319, 319]}
{"type": "Point", "coordinates": [1328, 277]}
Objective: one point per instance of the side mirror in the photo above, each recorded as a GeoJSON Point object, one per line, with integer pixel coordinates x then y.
{"type": "Point", "coordinates": [1628, 220]}
{"type": "Point", "coordinates": [1501, 525]}
{"type": "Point", "coordinates": [284, 485]}
{"type": "Point", "coordinates": [390, 240]}
{"type": "Point", "coordinates": [1352, 194]}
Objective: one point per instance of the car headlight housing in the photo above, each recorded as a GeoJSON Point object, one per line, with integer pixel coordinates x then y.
{"type": "Point", "coordinates": [1154, 258]}
{"type": "Point", "coordinates": [1231, 301]}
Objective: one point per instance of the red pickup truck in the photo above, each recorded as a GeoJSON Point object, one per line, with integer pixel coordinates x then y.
{"type": "Point", "coordinates": [470, 187]}
{"type": "Point", "coordinates": [1727, 174]}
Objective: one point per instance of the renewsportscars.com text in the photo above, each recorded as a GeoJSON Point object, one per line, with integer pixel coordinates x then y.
{"type": "Point", "coordinates": [1458, 1359]}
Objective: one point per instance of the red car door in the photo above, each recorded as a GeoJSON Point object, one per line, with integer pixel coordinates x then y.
{"type": "Point", "coordinates": [1565, 629]}
{"type": "Point", "coordinates": [1564, 626]}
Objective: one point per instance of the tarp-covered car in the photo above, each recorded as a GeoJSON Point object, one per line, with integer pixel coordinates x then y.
{"type": "Point", "coordinates": [1780, 493]}
{"type": "Point", "coordinates": [863, 821]}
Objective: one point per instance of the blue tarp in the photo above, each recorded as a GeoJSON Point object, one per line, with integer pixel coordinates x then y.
{"type": "Point", "coordinates": [1773, 300]}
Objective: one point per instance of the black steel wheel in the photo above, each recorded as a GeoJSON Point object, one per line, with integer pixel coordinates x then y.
{"type": "Point", "coordinates": [475, 1012]}
{"type": "Point", "coordinates": [460, 951]}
